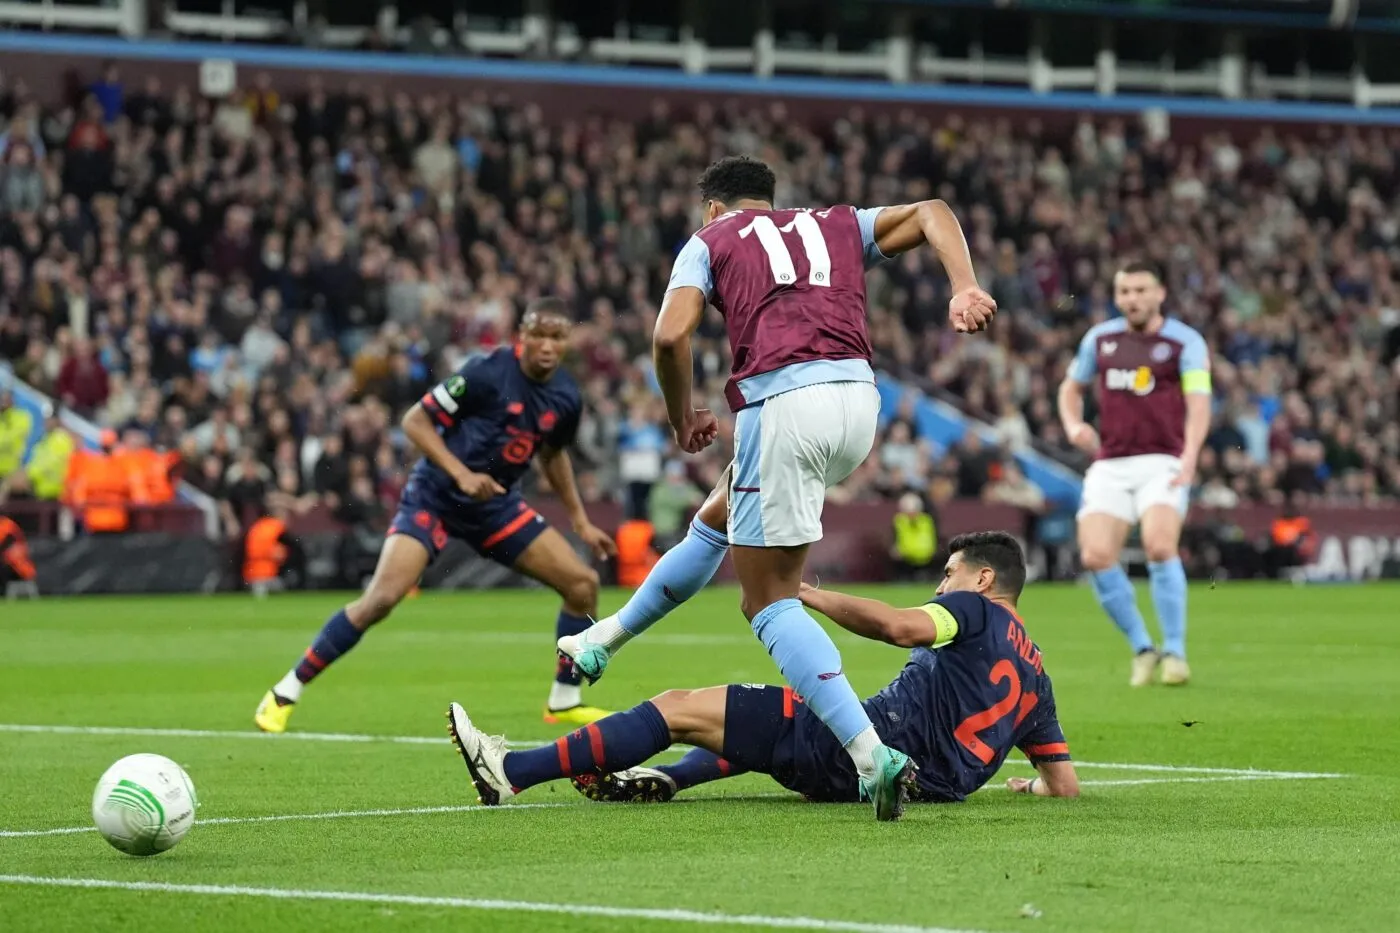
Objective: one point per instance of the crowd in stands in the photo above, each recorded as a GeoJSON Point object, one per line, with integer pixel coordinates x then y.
{"type": "Point", "coordinates": [260, 285]}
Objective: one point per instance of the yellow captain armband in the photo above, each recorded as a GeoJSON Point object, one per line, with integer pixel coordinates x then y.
{"type": "Point", "coordinates": [1195, 380]}
{"type": "Point", "coordinates": [944, 622]}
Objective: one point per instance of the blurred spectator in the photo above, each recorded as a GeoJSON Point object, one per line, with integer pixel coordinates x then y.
{"type": "Point", "coordinates": [975, 462]}
{"type": "Point", "coordinates": [1292, 542]}
{"type": "Point", "coordinates": [1013, 488]}
{"type": "Point", "coordinates": [21, 184]}
{"type": "Point", "coordinates": [670, 505]}
{"type": "Point", "coordinates": [915, 539]}
{"type": "Point", "coordinates": [15, 426]}
{"type": "Point", "coordinates": [44, 474]}
{"type": "Point", "coordinates": [641, 442]}
{"type": "Point", "coordinates": [102, 485]}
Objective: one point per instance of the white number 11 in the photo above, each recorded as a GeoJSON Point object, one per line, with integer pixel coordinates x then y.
{"type": "Point", "coordinates": [780, 260]}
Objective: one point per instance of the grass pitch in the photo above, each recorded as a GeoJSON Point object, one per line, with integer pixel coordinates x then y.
{"type": "Point", "coordinates": [1264, 796]}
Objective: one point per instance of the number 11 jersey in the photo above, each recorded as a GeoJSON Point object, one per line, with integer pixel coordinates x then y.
{"type": "Point", "coordinates": [791, 287]}
{"type": "Point", "coordinates": [960, 706]}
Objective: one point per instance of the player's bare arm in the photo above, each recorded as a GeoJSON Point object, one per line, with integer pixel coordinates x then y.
{"type": "Point", "coordinates": [420, 430]}
{"type": "Point", "coordinates": [1197, 427]}
{"type": "Point", "coordinates": [1078, 432]}
{"type": "Point", "coordinates": [558, 468]}
{"type": "Point", "coordinates": [680, 315]}
{"type": "Point", "coordinates": [903, 227]}
{"type": "Point", "coordinates": [1053, 779]}
{"type": "Point", "coordinates": [870, 618]}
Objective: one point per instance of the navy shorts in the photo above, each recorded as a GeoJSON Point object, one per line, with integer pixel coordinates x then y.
{"type": "Point", "coordinates": [499, 529]}
{"type": "Point", "coordinates": [770, 730]}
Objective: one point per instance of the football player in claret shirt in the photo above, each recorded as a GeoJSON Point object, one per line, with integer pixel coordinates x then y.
{"type": "Point", "coordinates": [790, 284]}
{"type": "Point", "coordinates": [478, 431]}
{"type": "Point", "coordinates": [1151, 375]}
{"type": "Point", "coordinates": [974, 687]}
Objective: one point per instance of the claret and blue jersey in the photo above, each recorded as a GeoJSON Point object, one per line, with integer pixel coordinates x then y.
{"type": "Point", "coordinates": [791, 285]}
{"type": "Point", "coordinates": [1142, 379]}
{"type": "Point", "coordinates": [493, 418]}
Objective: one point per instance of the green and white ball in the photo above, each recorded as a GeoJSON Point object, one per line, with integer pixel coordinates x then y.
{"type": "Point", "coordinates": [144, 804]}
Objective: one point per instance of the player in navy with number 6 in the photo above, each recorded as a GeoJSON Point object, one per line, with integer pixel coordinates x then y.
{"type": "Point", "coordinates": [478, 431]}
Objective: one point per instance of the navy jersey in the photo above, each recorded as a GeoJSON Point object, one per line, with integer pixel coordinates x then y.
{"type": "Point", "coordinates": [960, 706]}
{"type": "Point", "coordinates": [493, 418]}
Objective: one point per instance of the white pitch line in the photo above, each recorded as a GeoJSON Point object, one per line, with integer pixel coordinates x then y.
{"type": "Point", "coordinates": [430, 740]}
{"type": "Point", "coordinates": [1217, 779]}
{"type": "Point", "coordinates": [670, 915]}
{"type": "Point", "coordinates": [293, 817]}
{"type": "Point", "coordinates": [341, 737]}
{"type": "Point", "coordinates": [1192, 769]}
{"type": "Point", "coordinates": [477, 808]}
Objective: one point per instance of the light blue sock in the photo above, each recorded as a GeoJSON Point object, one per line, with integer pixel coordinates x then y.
{"type": "Point", "coordinates": [681, 572]}
{"type": "Point", "coordinates": [1169, 596]}
{"type": "Point", "coordinates": [1115, 593]}
{"type": "Point", "coordinates": [811, 664]}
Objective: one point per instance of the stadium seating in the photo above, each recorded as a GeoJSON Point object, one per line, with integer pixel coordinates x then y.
{"type": "Point", "coordinates": [264, 290]}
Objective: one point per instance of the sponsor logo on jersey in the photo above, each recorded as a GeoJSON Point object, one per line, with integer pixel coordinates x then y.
{"type": "Point", "coordinates": [1139, 381]}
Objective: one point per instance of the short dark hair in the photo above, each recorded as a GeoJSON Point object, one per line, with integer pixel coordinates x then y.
{"type": "Point", "coordinates": [1134, 266]}
{"type": "Point", "coordinates": [738, 178]}
{"type": "Point", "coordinates": [548, 306]}
{"type": "Point", "coordinates": [998, 550]}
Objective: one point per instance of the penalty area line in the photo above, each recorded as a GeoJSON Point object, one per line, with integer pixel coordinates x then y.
{"type": "Point", "coordinates": [669, 915]}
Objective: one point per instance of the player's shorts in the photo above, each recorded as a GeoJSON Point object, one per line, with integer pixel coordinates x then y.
{"type": "Point", "coordinates": [771, 731]}
{"type": "Point", "coordinates": [499, 529]}
{"type": "Point", "coordinates": [788, 450]}
{"type": "Point", "coordinates": [1126, 487]}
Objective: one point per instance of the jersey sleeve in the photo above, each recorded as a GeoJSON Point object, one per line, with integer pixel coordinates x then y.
{"type": "Point", "coordinates": [1195, 364]}
{"type": "Point", "coordinates": [865, 219]}
{"type": "Point", "coordinates": [956, 617]}
{"type": "Point", "coordinates": [1046, 741]}
{"type": "Point", "coordinates": [692, 268]}
{"type": "Point", "coordinates": [460, 395]}
{"type": "Point", "coordinates": [564, 432]}
{"type": "Point", "coordinates": [1086, 359]}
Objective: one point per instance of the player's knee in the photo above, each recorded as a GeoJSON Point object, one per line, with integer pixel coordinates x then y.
{"type": "Point", "coordinates": [1160, 549]}
{"type": "Point", "coordinates": [1093, 558]}
{"type": "Point", "coordinates": [581, 590]}
{"type": "Point", "coordinates": [672, 705]}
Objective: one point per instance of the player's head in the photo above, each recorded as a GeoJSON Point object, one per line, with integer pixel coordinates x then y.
{"type": "Point", "coordinates": [986, 562]}
{"type": "Point", "coordinates": [1138, 293]}
{"type": "Point", "coordinates": [734, 179]}
{"type": "Point", "coordinates": [544, 336]}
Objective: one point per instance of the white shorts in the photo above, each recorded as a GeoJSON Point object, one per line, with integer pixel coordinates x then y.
{"type": "Point", "coordinates": [1126, 487]}
{"type": "Point", "coordinates": [787, 450]}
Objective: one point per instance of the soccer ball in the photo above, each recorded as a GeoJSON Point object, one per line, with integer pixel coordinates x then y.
{"type": "Point", "coordinates": [144, 804]}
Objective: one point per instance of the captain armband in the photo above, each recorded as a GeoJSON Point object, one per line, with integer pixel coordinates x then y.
{"type": "Point", "coordinates": [1195, 380]}
{"type": "Point", "coordinates": [944, 622]}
